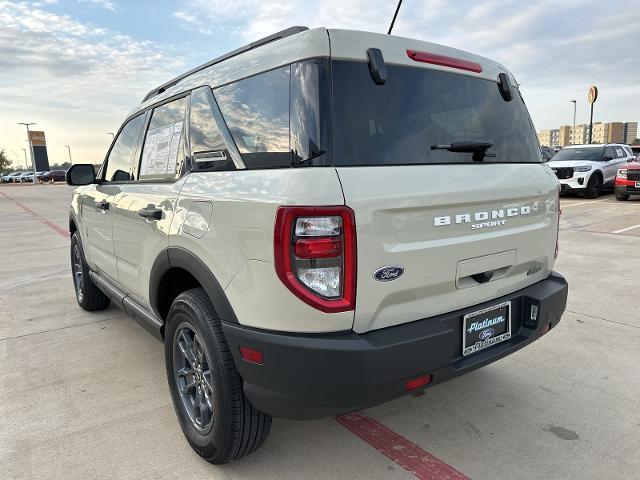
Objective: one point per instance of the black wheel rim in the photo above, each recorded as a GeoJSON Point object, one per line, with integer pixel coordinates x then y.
{"type": "Point", "coordinates": [193, 378]}
{"type": "Point", "coordinates": [78, 279]}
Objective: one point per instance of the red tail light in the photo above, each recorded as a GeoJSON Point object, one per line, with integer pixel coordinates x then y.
{"type": "Point", "coordinates": [318, 248]}
{"type": "Point", "coordinates": [315, 255]}
{"type": "Point", "coordinates": [435, 59]}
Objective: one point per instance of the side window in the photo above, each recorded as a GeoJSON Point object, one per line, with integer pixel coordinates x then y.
{"type": "Point", "coordinates": [256, 110]}
{"type": "Point", "coordinates": [310, 114]}
{"type": "Point", "coordinates": [120, 165]}
{"type": "Point", "coordinates": [619, 152]}
{"type": "Point", "coordinates": [207, 144]}
{"type": "Point", "coordinates": [163, 149]}
{"type": "Point", "coordinates": [608, 153]}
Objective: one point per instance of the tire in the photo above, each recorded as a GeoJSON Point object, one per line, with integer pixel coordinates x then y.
{"type": "Point", "coordinates": [89, 296]}
{"type": "Point", "coordinates": [594, 186]}
{"type": "Point", "coordinates": [622, 197]}
{"type": "Point", "coordinates": [229, 427]}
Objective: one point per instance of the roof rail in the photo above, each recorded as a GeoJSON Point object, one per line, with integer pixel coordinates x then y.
{"type": "Point", "coordinates": [271, 38]}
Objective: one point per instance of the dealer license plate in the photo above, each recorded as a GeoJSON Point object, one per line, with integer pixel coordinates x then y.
{"type": "Point", "coordinates": [486, 327]}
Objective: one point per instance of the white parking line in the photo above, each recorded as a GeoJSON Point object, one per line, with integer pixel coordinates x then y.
{"type": "Point", "coordinates": [581, 203]}
{"type": "Point", "coordinates": [626, 229]}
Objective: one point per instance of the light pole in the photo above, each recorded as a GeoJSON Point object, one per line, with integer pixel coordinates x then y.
{"type": "Point", "coordinates": [69, 148]}
{"type": "Point", "coordinates": [574, 116]}
{"type": "Point", "coordinates": [17, 158]}
{"type": "Point", "coordinates": [33, 159]}
{"type": "Point", "coordinates": [26, 165]}
{"type": "Point", "coordinates": [112, 135]}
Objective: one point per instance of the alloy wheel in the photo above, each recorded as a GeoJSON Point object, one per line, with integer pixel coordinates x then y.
{"type": "Point", "coordinates": [78, 279]}
{"type": "Point", "coordinates": [193, 378]}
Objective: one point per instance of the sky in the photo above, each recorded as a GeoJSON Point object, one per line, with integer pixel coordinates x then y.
{"type": "Point", "coordinates": [77, 67]}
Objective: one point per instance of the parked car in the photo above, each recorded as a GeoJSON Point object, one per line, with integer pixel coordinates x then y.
{"type": "Point", "coordinates": [318, 230]}
{"type": "Point", "coordinates": [40, 174]}
{"type": "Point", "coordinates": [52, 176]}
{"type": "Point", "coordinates": [589, 168]}
{"type": "Point", "coordinates": [547, 153]}
{"type": "Point", "coordinates": [25, 177]}
{"type": "Point", "coordinates": [628, 181]}
{"type": "Point", "coordinates": [10, 177]}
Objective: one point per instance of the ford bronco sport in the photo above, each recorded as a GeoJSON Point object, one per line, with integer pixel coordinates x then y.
{"type": "Point", "coordinates": [319, 222]}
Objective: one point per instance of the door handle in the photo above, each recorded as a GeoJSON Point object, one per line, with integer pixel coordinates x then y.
{"type": "Point", "coordinates": [151, 211]}
{"type": "Point", "coordinates": [103, 205]}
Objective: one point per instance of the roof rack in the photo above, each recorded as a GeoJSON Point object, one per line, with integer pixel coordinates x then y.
{"type": "Point", "coordinates": [271, 38]}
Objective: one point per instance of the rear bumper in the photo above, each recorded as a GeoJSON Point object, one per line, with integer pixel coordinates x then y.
{"type": "Point", "coordinates": [314, 376]}
{"type": "Point", "coordinates": [626, 187]}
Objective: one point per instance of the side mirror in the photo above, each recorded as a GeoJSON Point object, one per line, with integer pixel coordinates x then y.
{"type": "Point", "coordinates": [80, 174]}
{"type": "Point", "coordinates": [607, 158]}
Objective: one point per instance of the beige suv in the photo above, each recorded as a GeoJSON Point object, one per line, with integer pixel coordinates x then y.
{"type": "Point", "coordinates": [319, 222]}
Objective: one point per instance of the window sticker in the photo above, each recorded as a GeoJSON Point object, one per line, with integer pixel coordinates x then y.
{"type": "Point", "coordinates": [161, 150]}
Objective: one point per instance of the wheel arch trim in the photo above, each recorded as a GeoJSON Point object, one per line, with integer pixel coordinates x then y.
{"type": "Point", "coordinates": [178, 257]}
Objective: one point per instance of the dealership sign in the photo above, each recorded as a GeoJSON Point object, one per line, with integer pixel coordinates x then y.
{"type": "Point", "coordinates": [39, 147]}
{"type": "Point", "coordinates": [593, 94]}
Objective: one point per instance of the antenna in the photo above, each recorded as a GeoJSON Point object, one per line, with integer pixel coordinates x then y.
{"type": "Point", "coordinates": [394, 17]}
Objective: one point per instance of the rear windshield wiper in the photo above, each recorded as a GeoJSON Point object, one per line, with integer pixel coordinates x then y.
{"type": "Point", "coordinates": [477, 147]}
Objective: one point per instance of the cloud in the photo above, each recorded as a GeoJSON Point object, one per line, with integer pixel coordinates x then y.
{"type": "Point", "coordinates": [555, 48]}
{"type": "Point", "coordinates": [75, 79]}
{"type": "Point", "coordinates": [106, 4]}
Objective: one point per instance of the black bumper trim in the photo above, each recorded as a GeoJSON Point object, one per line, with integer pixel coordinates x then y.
{"type": "Point", "coordinates": [627, 190]}
{"type": "Point", "coordinates": [314, 376]}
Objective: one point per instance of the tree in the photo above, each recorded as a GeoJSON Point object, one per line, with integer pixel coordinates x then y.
{"type": "Point", "coordinates": [61, 166]}
{"type": "Point", "coordinates": [4, 161]}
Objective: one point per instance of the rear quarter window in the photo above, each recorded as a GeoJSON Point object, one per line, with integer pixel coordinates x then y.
{"type": "Point", "coordinates": [256, 111]}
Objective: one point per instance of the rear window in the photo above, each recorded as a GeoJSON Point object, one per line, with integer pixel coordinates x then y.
{"type": "Point", "coordinates": [398, 123]}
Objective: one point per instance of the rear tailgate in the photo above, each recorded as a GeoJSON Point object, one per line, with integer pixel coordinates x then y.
{"type": "Point", "coordinates": [445, 224]}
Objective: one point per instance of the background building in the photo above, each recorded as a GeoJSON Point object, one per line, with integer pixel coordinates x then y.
{"type": "Point", "coordinates": [544, 137]}
{"type": "Point", "coordinates": [564, 136]}
{"type": "Point", "coordinates": [580, 135]}
{"type": "Point", "coordinates": [600, 133]}
{"type": "Point", "coordinates": [610, 132]}
{"type": "Point", "coordinates": [630, 132]}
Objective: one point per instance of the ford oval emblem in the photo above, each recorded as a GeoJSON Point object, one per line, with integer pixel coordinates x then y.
{"type": "Point", "coordinates": [388, 273]}
{"type": "Point", "coordinates": [486, 334]}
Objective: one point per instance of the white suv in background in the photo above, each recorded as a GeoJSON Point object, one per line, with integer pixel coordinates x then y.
{"type": "Point", "coordinates": [589, 168]}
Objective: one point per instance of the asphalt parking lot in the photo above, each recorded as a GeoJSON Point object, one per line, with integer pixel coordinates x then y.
{"type": "Point", "coordinates": [85, 396]}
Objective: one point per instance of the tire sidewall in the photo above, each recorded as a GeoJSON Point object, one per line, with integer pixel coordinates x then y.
{"type": "Point", "coordinates": [594, 186]}
{"type": "Point", "coordinates": [76, 242]}
{"type": "Point", "coordinates": [212, 443]}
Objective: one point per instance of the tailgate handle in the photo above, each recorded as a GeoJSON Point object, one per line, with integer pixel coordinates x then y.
{"type": "Point", "coordinates": [482, 277]}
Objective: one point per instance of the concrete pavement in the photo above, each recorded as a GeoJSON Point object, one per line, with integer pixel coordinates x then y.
{"type": "Point", "coordinates": [84, 395]}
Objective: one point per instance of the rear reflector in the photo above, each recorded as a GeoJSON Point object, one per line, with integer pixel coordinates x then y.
{"type": "Point", "coordinates": [419, 382]}
{"type": "Point", "coordinates": [545, 329]}
{"type": "Point", "coordinates": [251, 355]}
{"type": "Point", "coordinates": [443, 60]}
